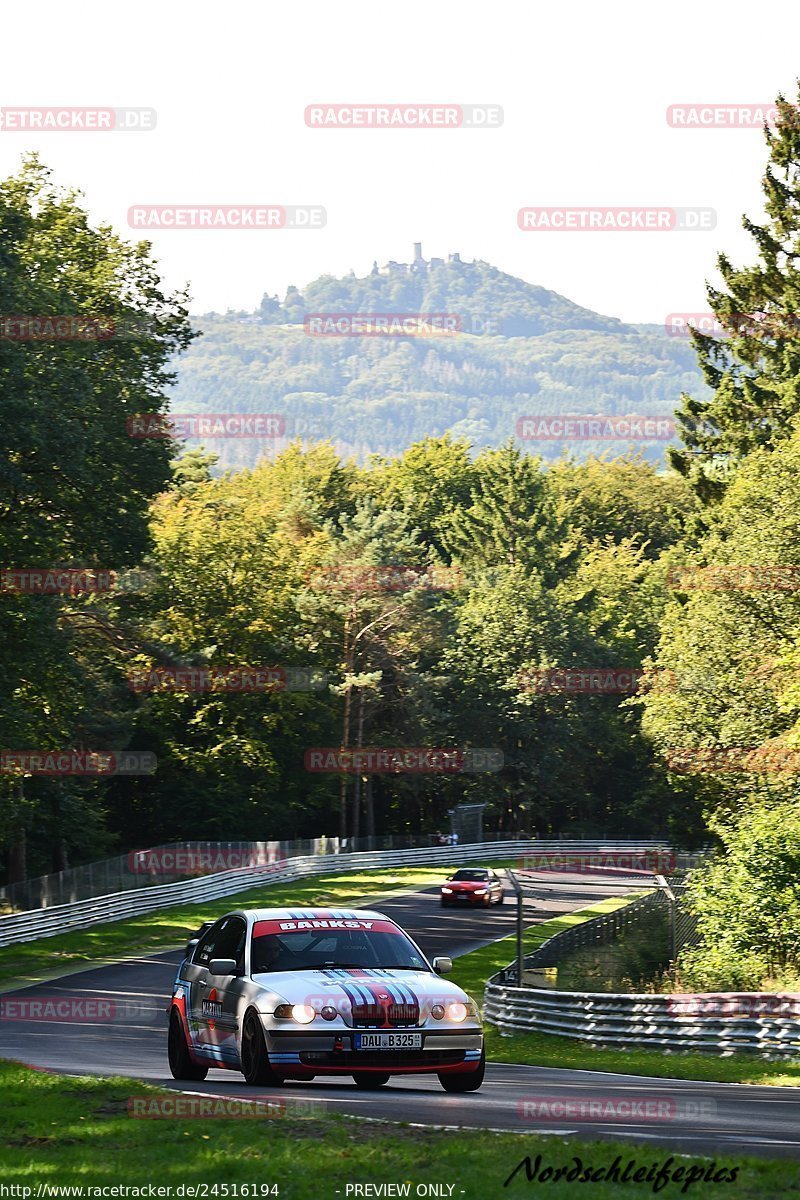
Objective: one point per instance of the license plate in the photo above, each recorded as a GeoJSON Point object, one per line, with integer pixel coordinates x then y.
{"type": "Point", "coordinates": [388, 1041]}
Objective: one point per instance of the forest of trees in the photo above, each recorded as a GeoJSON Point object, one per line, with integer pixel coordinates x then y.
{"type": "Point", "coordinates": [431, 598]}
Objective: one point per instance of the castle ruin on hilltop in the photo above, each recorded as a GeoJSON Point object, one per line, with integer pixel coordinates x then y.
{"type": "Point", "coordinates": [419, 266]}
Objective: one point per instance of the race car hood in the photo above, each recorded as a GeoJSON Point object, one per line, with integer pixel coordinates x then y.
{"type": "Point", "coordinates": [466, 885]}
{"type": "Point", "coordinates": [345, 990]}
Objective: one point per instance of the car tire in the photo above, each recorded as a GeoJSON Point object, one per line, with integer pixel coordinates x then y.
{"type": "Point", "coordinates": [181, 1063]}
{"type": "Point", "coordinates": [444, 903]}
{"type": "Point", "coordinates": [464, 1081]}
{"type": "Point", "coordinates": [255, 1061]}
{"type": "Point", "coordinates": [501, 898]}
{"type": "Point", "coordinates": [370, 1079]}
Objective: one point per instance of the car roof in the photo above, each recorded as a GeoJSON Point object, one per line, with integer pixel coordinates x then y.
{"type": "Point", "coordinates": [310, 914]}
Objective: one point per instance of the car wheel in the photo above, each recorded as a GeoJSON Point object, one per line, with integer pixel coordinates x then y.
{"type": "Point", "coordinates": [370, 1079]}
{"type": "Point", "coordinates": [444, 902]}
{"type": "Point", "coordinates": [501, 898]}
{"type": "Point", "coordinates": [255, 1062]}
{"type": "Point", "coordinates": [181, 1063]}
{"type": "Point", "coordinates": [464, 1081]}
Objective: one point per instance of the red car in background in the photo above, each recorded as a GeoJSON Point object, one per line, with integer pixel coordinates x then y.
{"type": "Point", "coordinates": [472, 885]}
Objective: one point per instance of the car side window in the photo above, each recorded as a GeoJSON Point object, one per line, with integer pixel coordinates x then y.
{"type": "Point", "coordinates": [225, 939]}
{"type": "Point", "coordinates": [233, 939]}
{"type": "Point", "coordinates": [204, 950]}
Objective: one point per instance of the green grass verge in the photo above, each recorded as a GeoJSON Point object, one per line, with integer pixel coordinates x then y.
{"type": "Point", "coordinates": [79, 1132]}
{"type": "Point", "coordinates": [546, 1050]}
{"type": "Point", "coordinates": [28, 961]}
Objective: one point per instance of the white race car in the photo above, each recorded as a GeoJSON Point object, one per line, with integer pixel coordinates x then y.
{"type": "Point", "coordinates": [286, 993]}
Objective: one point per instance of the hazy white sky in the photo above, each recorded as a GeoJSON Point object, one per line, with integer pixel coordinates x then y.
{"type": "Point", "coordinates": [584, 88]}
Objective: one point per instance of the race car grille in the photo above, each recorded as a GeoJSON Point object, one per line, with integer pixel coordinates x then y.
{"type": "Point", "coordinates": [383, 1058]}
{"type": "Point", "coordinates": [375, 1014]}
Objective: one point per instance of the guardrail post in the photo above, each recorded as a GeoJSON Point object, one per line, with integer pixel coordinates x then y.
{"type": "Point", "coordinates": [518, 892]}
{"type": "Point", "coordinates": [668, 892]}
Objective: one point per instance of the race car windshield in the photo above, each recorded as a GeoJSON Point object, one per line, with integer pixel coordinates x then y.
{"type": "Point", "coordinates": [471, 876]}
{"type": "Point", "coordinates": [330, 950]}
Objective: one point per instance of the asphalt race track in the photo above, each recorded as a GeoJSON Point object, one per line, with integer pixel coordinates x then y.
{"type": "Point", "coordinates": [128, 1037]}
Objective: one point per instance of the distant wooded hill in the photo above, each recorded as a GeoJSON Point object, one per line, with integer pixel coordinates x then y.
{"type": "Point", "coordinates": [520, 350]}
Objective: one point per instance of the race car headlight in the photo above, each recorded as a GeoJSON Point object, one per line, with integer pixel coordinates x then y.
{"type": "Point", "coordinates": [328, 1013]}
{"type": "Point", "coordinates": [302, 1013]}
{"type": "Point", "coordinates": [457, 1011]}
{"type": "Point", "coordinates": [437, 1012]}
{"type": "Point", "coordinates": [447, 891]}
{"type": "Point", "coordinates": [481, 891]}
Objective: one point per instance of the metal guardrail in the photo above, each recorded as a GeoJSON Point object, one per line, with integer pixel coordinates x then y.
{"type": "Point", "coordinates": [125, 872]}
{"type": "Point", "coordinates": [49, 922]}
{"type": "Point", "coordinates": [128, 871]}
{"type": "Point", "coordinates": [714, 1022]}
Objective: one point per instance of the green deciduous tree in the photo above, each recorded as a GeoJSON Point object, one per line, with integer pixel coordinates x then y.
{"type": "Point", "coordinates": [75, 487]}
{"type": "Point", "coordinates": [730, 637]}
{"type": "Point", "coordinates": [747, 900]}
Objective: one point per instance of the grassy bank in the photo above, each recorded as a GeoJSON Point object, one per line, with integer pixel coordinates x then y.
{"type": "Point", "coordinates": [471, 971]}
{"type": "Point", "coordinates": [68, 1132]}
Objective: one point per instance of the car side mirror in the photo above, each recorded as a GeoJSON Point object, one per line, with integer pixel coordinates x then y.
{"type": "Point", "coordinates": [191, 945]}
{"type": "Point", "coordinates": [443, 966]}
{"type": "Point", "coordinates": [222, 966]}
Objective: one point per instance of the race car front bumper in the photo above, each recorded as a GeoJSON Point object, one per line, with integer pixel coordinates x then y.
{"type": "Point", "coordinates": [336, 1052]}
